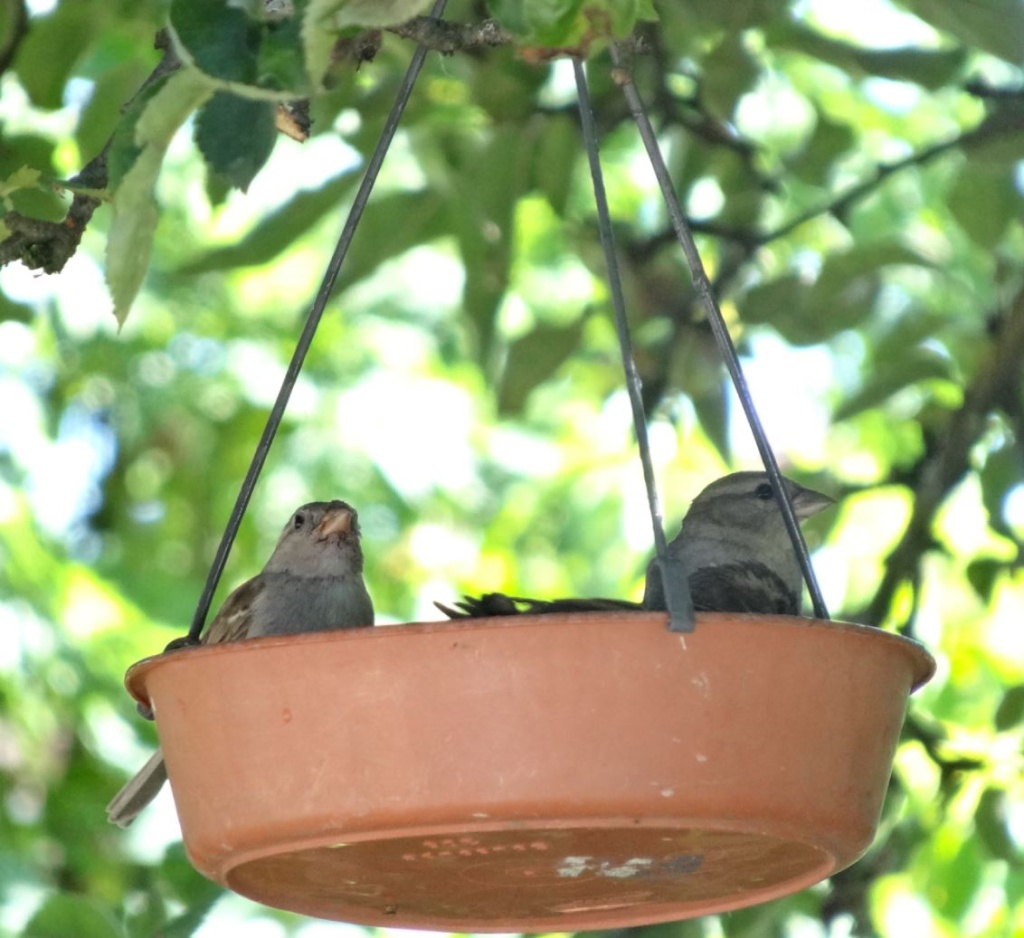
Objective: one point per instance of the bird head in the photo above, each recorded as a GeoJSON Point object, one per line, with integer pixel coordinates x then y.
{"type": "Point", "coordinates": [320, 539]}
{"type": "Point", "coordinates": [748, 500]}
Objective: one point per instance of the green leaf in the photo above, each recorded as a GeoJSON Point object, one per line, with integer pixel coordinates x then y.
{"type": "Point", "coordinates": [240, 50]}
{"type": "Point", "coordinates": [842, 296]}
{"type": "Point", "coordinates": [124, 147]}
{"type": "Point", "coordinates": [1000, 138]}
{"type": "Point", "coordinates": [114, 86]}
{"type": "Point", "coordinates": [277, 230]}
{"type": "Point", "coordinates": [236, 136]}
{"type": "Point", "coordinates": [15, 312]}
{"type": "Point", "coordinates": [646, 12]}
{"type": "Point", "coordinates": [767, 302]}
{"type": "Point", "coordinates": [508, 90]}
{"type": "Point", "coordinates": [984, 200]}
{"type": "Point", "coordinates": [982, 574]}
{"type": "Point", "coordinates": [959, 877]}
{"type": "Point", "coordinates": [730, 71]}
{"type": "Point", "coordinates": [196, 894]}
{"type": "Point", "coordinates": [22, 178]}
{"type": "Point", "coordinates": [527, 19]}
{"type": "Point", "coordinates": [65, 914]}
{"type": "Point", "coordinates": [218, 37]}
{"type": "Point", "coordinates": [483, 218]}
{"type": "Point", "coordinates": [368, 14]}
{"type": "Point", "coordinates": [533, 359]}
{"type": "Point", "coordinates": [991, 822]}
{"type": "Point", "coordinates": [829, 141]}
{"type": "Point", "coordinates": [891, 375]}
{"type": "Point", "coordinates": [392, 225]}
{"type": "Point", "coordinates": [555, 160]}
{"type": "Point", "coordinates": [325, 21]}
{"type": "Point", "coordinates": [930, 68]}
{"type": "Point", "coordinates": [134, 209]}
{"type": "Point", "coordinates": [999, 476]}
{"type": "Point", "coordinates": [996, 26]}
{"type": "Point", "coordinates": [1010, 712]}
{"type": "Point", "coordinates": [24, 153]}
{"type": "Point", "coordinates": [39, 202]}
{"type": "Point", "coordinates": [52, 47]}
{"type": "Point", "coordinates": [583, 26]}
{"type": "Point", "coordinates": [280, 63]}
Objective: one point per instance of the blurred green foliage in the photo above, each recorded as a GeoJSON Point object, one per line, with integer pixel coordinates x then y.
{"type": "Point", "coordinates": [858, 204]}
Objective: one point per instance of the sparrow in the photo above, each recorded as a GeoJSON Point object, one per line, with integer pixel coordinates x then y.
{"type": "Point", "coordinates": [312, 582]}
{"type": "Point", "coordinates": [733, 543]}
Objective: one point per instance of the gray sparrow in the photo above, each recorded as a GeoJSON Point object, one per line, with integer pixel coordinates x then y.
{"type": "Point", "coordinates": [312, 582]}
{"type": "Point", "coordinates": [733, 544]}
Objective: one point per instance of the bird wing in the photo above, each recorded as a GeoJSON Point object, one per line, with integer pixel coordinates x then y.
{"type": "Point", "coordinates": [748, 586]}
{"type": "Point", "coordinates": [499, 604]}
{"type": "Point", "coordinates": [234, 618]}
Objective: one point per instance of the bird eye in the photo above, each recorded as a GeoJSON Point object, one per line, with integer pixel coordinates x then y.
{"type": "Point", "coordinates": [764, 491]}
{"type": "Point", "coordinates": [300, 520]}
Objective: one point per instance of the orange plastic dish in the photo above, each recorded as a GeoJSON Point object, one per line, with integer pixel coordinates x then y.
{"type": "Point", "coordinates": [536, 773]}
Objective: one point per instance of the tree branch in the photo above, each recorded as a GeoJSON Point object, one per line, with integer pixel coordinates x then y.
{"type": "Point", "coordinates": [948, 462]}
{"type": "Point", "coordinates": [49, 245]}
{"type": "Point", "coordinates": [840, 204]}
{"type": "Point", "coordinates": [449, 38]}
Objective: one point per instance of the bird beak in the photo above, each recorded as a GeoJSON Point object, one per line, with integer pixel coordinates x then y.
{"type": "Point", "coordinates": [335, 521]}
{"type": "Point", "coordinates": [808, 502]}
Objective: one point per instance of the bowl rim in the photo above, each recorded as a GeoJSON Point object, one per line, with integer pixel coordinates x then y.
{"type": "Point", "coordinates": [923, 661]}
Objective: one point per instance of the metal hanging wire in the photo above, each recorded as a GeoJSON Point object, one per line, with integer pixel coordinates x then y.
{"type": "Point", "coordinates": [673, 577]}
{"type": "Point", "coordinates": [724, 341]}
{"type": "Point", "coordinates": [678, 599]}
{"type": "Point", "coordinates": [306, 339]}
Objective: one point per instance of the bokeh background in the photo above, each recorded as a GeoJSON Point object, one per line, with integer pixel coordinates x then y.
{"type": "Point", "coordinates": [854, 175]}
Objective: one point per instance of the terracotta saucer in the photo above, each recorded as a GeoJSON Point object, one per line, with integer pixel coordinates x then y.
{"type": "Point", "coordinates": [535, 773]}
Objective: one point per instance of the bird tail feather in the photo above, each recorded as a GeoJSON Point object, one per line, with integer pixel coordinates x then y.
{"type": "Point", "coordinates": [138, 791]}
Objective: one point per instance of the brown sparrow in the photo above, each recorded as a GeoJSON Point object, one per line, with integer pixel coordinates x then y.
{"type": "Point", "coordinates": [733, 544]}
{"type": "Point", "coordinates": [312, 582]}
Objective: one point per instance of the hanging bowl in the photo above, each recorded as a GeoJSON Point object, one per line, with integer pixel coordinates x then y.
{"type": "Point", "coordinates": [532, 773]}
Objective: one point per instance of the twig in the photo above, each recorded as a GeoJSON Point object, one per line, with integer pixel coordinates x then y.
{"type": "Point", "coordinates": [842, 204]}
{"type": "Point", "coordinates": [449, 38]}
{"type": "Point", "coordinates": [837, 206]}
{"type": "Point", "coordinates": [49, 245]}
